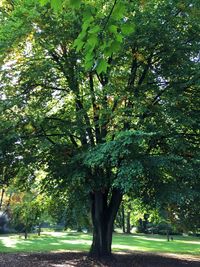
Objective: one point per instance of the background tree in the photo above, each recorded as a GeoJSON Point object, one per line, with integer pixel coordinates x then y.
{"type": "Point", "coordinates": [128, 209]}
{"type": "Point", "coordinates": [27, 211]}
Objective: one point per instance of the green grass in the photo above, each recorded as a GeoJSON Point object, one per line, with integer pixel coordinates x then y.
{"type": "Point", "coordinates": [156, 243]}
{"type": "Point", "coordinates": [60, 241]}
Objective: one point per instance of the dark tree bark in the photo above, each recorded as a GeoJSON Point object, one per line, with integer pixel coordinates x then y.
{"type": "Point", "coordinates": [167, 233]}
{"type": "Point", "coordinates": [123, 220]}
{"type": "Point", "coordinates": [39, 229]}
{"type": "Point", "coordinates": [26, 233]}
{"type": "Point", "coordinates": [128, 223]}
{"type": "Point", "coordinates": [103, 216]}
{"type": "Point", "coordinates": [2, 195]}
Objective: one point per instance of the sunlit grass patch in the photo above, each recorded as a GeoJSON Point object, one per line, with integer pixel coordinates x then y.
{"type": "Point", "coordinates": [61, 241]}
{"type": "Point", "coordinates": [46, 242]}
{"type": "Point", "coordinates": [157, 243]}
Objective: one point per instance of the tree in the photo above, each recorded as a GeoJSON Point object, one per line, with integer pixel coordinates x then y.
{"type": "Point", "coordinates": [70, 209]}
{"type": "Point", "coordinates": [107, 111]}
{"type": "Point", "coordinates": [28, 211]}
{"type": "Point", "coordinates": [124, 215]}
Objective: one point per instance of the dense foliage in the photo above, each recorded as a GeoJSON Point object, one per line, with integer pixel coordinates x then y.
{"type": "Point", "coordinates": [103, 98]}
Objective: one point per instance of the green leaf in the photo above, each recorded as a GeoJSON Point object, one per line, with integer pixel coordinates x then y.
{"type": "Point", "coordinates": [108, 51]}
{"type": "Point", "coordinates": [113, 29]}
{"type": "Point", "coordinates": [119, 11]}
{"type": "Point", "coordinates": [87, 13]}
{"type": "Point", "coordinates": [89, 56]}
{"type": "Point", "coordinates": [87, 23]}
{"type": "Point", "coordinates": [119, 38]}
{"type": "Point", "coordinates": [82, 35]}
{"type": "Point", "coordinates": [88, 64]}
{"type": "Point", "coordinates": [78, 44]}
{"type": "Point", "coordinates": [56, 5]}
{"type": "Point", "coordinates": [96, 29]}
{"type": "Point", "coordinates": [75, 3]}
{"type": "Point", "coordinates": [127, 28]}
{"type": "Point", "coordinates": [44, 2]}
{"type": "Point", "coordinates": [93, 40]}
{"type": "Point", "coordinates": [102, 66]}
{"type": "Point", "coordinates": [115, 46]}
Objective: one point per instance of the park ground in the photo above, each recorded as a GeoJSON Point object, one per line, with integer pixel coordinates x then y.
{"type": "Point", "coordinates": [60, 249]}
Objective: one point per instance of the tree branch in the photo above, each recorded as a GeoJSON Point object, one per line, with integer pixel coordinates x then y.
{"type": "Point", "coordinates": [95, 109]}
{"type": "Point", "coordinates": [109, 15]}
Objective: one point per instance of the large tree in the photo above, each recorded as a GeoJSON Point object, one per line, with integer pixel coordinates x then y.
{"type": "Point", "coordinates": [108, 109]}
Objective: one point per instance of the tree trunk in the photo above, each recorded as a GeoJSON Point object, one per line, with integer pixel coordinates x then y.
{"type": "Point", "coordinates": [128, 223]}
{"type": "Point", "coordinates": [123, 220]}
{"type": "Point", "coordinates": [103, 216]}
{"type": "Point", "coordinates": [167, 235]}
{"type": "Point", "coordinates": [2, 195]}
{"type": "Point", "coordinates": [39, 229]}
{"type": "Point", "coordinates": [26, 233]}
{"type": "Point", "coordinates": [9, 201]}
{"type": "Point", "coordinates": [79, 228]}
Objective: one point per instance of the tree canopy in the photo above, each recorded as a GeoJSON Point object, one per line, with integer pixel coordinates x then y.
{"type": "Point", "coordinates": [104, 99]}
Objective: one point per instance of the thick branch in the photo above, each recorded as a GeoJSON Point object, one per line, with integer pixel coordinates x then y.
{"type": "Point", "coordinates": [47, 137]}
{"type": "Point", "coordinates": [95, 109]}
{"type": "Point", "coordinates": [114, 203]}
{"type": "Point", "coordinates": [80, 107]}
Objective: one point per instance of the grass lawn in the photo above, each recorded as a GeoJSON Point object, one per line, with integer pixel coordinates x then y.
{"type": "Point", "coordinates": [60, 241]}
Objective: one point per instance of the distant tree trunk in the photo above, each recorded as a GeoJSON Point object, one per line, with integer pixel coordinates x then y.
{"type": "Point", "coordinates": [2, 195]}
{"type": "Point", "coordinates": [123, 220]}
{"type": "Point", "coordinates": [26, 233]}
{"type": "Point", "coordinates": [9, 201]}
{"type": "Point", "coordinates": [167, 235]}
{"type": "Point", "coordinates": [103, 216]}
{"type": "Point", "coordinates": [128, 223]}
{"type": "Point", "coordinates": [39, 229]}
{"type": "Point", "coordinates": [79, 228]}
